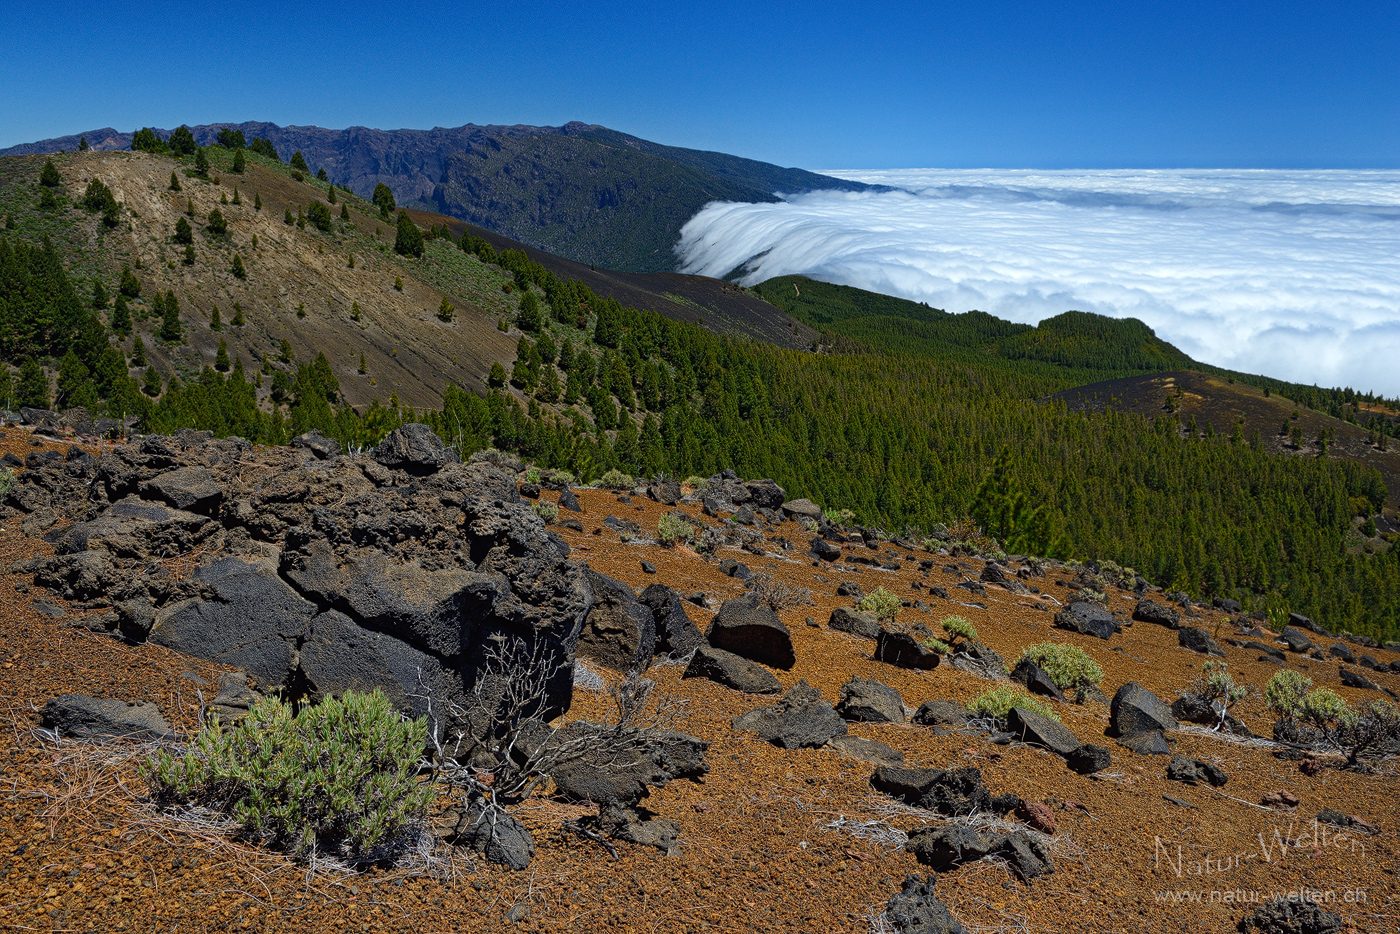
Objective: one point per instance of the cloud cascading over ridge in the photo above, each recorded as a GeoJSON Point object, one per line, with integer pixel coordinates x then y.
{"type": "Point", "coordinates": [1288, 273]}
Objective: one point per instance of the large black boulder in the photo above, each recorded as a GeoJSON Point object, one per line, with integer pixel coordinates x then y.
{"type": "Point", "coordinates": [676, 633]}
{"type": "Point", "coordinates": [193, 489]}
{"type": "Point", "coordinates": [748, 628]}
{"type": "Point", "coordinates": [1135, 709]}
{"type": "Point", "coordinates": [953, 792]}
{"type": "Point", "coordinates": [491, 832]}
{"type": "Point", "coordinates": [1035, 680]}
{"type": "Point", "coordinates": [942, 713]}
{"type": "Point", "coordinates": [1198, 640]}
{"type": "Point", "coordinates": [856, 622]}
{"type": "Point", "coordinates": [1148, 611]}
{"type": "Point", "coordinates": [91, 718]}
{"type": "Point", "coordinates": [800, 719]}
{"type": "Point", "coordinates": [916, 910]}
{"type": "Point", "coordinates": [619, 631]}
{"type": "Point", "coordinates": [1036, 729]}
{"type": "Point", "coordinates": [1193, 771]}
{"type": "Point", "coordinates": [1088, 619]}
{"type": "Point", "coordinates": [247, 616]}
{"type": "Point", "coordinates": [903, 650]}
{"type": "Point", "coordinates": [1290, 916]}
{"type": "Point", "coordinates": [867, 701]}
{"type": "Point", "coordinates": [731, 670]}
{"type": "Point", "coordinates": [414, 449]}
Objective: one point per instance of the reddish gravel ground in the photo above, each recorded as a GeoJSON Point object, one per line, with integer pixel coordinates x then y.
{"type": "Point", "coordinates": [81, 851]}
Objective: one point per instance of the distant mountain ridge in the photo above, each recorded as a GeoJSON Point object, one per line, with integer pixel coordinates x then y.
{"type": "Point", "coordinates": [586, 192]}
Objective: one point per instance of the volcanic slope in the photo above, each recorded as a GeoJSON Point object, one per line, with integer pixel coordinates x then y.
{"type": "Point", "coordinates": [771, 839]}
{"type": "Point", "coordinates": [583, 191]}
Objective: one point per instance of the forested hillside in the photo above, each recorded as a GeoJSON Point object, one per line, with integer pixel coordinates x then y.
{"type": "Point", "coordinates": [905, 431]}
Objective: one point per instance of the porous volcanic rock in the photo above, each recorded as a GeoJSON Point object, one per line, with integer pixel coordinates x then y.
{"type": "Point", "coordinates": [401, 569]}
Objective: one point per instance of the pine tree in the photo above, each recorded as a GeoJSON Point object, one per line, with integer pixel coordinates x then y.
{"type": "Point", "coordinates": [217, 225]}
{"type": "Point", "coordinates": [398, 283]}
{"type": "Point", "coordinates": [82, 144]}
{"type": "Point", "coordinates": [301, 310]}
{"type": "Point", "coordinates": [409, 241]}
{"type": "Point", "coordinates": [215, 322]}
{"type": "Point", "coordinates": [285, 351]}
{"type": "Point", "coordinates": [174, 182]}
{"type": "Point", "coordinates": [33, 388]}
{"type": "Point", "coordinates": [49, 177]}
{"type": "Point", "coordinates": [321, 174]}
{"type": "Point", "coordinates": [121, 316]}
{"type": "Point", "coordinates": [182, 142]}
{"type": "Point", "coordinates": [237, 198]}
{"type": "Point", "coordinates": [7, 388]}
{"type": "Point", "coordinates": [190, 258]}
{"type": "Point", "coordinates": [201, 161]}
{"type": "Point", "coordinates": [129, 286]}
{"type": "Point", "coordinates": [99, 294]}
{"type": "Point", "coordinates": [240, 162]}
{"type": "Point", "coordinates": [170, 330]}
{"type": "Point", "coordinates": [184, 233]}
{"type": "Point", "coordinates": [138, 352]}
{"type": "Point", "coordinates": [189, 207]}
{"type": "Point", "coordinates": [445, 310]}
{"type": "Point", "coordinates": [330, 194]}
{"type": "Point", "coordinates": [384, 200]}
{"type": "Point", "coordinates": [47, 201]}
{"type": "Point", "coordinates": [363, 368]}
{"type": "Point", "coordinates": [529, 318]}
{"type": "Point", "coordinates": [354, 310]}
{"type": "Point", "coordinates": [345, 212]}
{"type": "Point", "coordinates": [299, 162]}
{"type": "Point", "coordinates": [498, 374]}
{"type": "Point", "coordinates": [151, 385]}
{"type": "Point", "coordinates": [221, 361]}
{"type": "Point", "coordinates": [257, 201]}
{"type": "Point", "coordinates": [237, 315]}
{"type": "Point", "coordinates": [287, 218]}
{"type": "Point", "coordinates": [350, 261]}
{"type": "Point", "coordinates": [238, 271]}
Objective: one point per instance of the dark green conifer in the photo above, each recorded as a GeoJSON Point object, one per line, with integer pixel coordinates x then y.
{"type": "Point", "coordinates": [184, 233]}
{"type": "Point", "coordinates": [33, 388]}
{"type": "Point", "coordinates": [151, 385]}
{"type": "Point", "coordinates": [299, 162]}
{"type": "Point", "coordinates": [49, 177]}
{"type": "Point", "coordinates": [201, 161]}
{"type": "Point", "coordinates": [174, 182]}
{"type": "Point", "coordinates": [121, 316]}
{"type": "Point", "coordinates": [99, 294]}
{"type": "Point", "coordinates": [215, 322]}
{"type": "Point", "coordinates": [238, 271]}
{"type": "Point", "coordinates": [409, 240]}
{"type": "Point", "coordinates": [239, 162]}
{"type": "Point", "coordinates": [221, 361]}
{"type": "Point", "coordinates": [170, 330]}
{"type": "Point", "coordinates": [130, 286]}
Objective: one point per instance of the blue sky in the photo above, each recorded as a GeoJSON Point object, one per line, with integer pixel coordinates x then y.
{"type": "Point", "coordinates": [1042, 85]}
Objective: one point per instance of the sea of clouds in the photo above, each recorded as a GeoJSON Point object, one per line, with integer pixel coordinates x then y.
{"type": "Point", "coordinates": [1295, 274]}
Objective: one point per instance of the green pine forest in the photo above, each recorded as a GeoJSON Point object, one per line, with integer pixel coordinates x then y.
{"type": "Point", "coordinates": [902, 418]}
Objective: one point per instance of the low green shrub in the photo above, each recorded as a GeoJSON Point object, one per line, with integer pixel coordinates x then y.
{"type": "Point", "coordinates": [696, 484]}
{"type": "Point", "coordinates": [1068, 666]}
{"type": "Point", "coordinates": [545, 510]}
{"type": "Point", "coordinates": [671, 528]}
{"type": "Point", "coordinates": [337, 778]}
{"type": "Point", "coordinates": [839, 516]}
{"type": "Point", "coordinates": [996, 703]}
{"type": "Point", "coordinates": [958, 627]}
{"type": "Point", "coordinates": [882, 603]}
{"type": "Point", "coordinates": [616, 480]}
{"type": "Point", "coordinates": [532, 474]}
{"type": "Point", "coordinates": [1284, 693]}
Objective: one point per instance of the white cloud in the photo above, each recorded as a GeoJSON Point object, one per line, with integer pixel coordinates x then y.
{"type": "Point", "coordinates": [1292, 274]}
